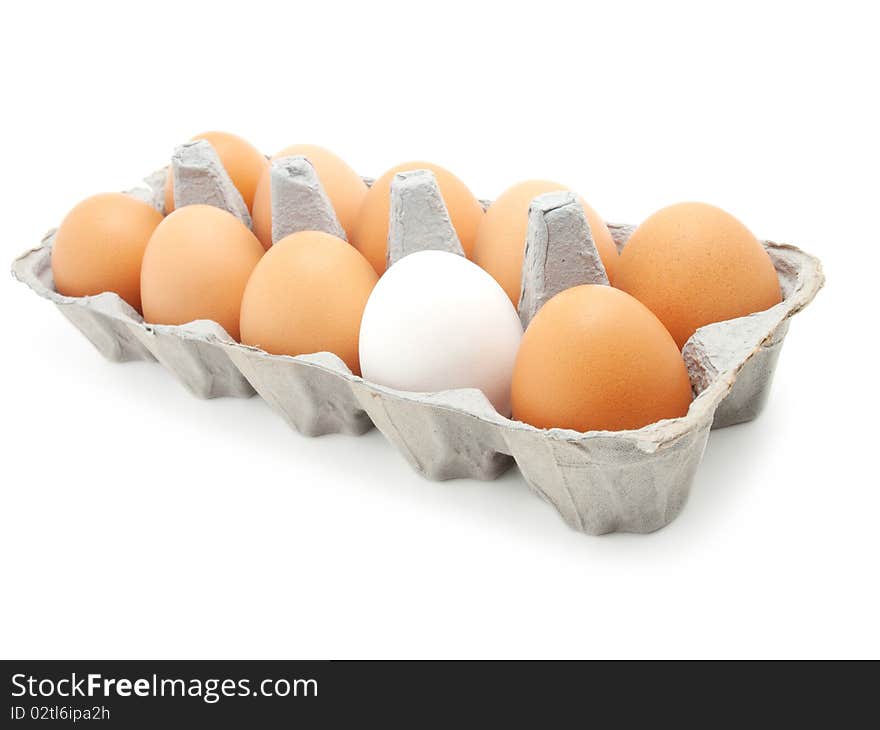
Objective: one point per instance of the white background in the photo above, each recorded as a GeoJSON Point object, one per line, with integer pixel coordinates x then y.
{"type": "Point", "coordinates": [138, 521]}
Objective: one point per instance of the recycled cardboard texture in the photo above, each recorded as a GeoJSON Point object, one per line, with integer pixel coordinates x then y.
{"type": "Point", "coordinates": [560, 252]}
{"type": "Point", "coordinates": [418, 219]}
{"type": "Point", "coordinates": [199, 177]}
{"type": "Point", "coordinates": [299, 202]}
{"type": "Point", "coordinates": [620, 233]}
{"type": "Point", "coordinates": [632, 481]}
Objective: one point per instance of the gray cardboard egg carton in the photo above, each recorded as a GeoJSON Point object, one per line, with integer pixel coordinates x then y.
{"type": "Point", "coordinates": [600, 481]}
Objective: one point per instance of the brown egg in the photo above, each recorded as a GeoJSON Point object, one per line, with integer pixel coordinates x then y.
{"type": "Point", "coordinates": [595, 359]}
{"type": "Point", "coordinates": [196, 266]}
{"type": "Point", "coordinates": [307, 295]}
{"type": "Point", "coordinates": [100, 244]}
{"type": "Point", "coordinates": [693, 264]}
{"type": "Point", "coordinates": [371, 231]}
{"type": "Point", "coordinates": [342, 184]}
{"type": "Point", "coordinates": [243, 162]}
{"type": "Point", "coordinates": [501, 237]}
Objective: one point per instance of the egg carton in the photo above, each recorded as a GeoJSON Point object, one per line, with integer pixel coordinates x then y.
{"type": "Point", "coordinates": [599, 481]}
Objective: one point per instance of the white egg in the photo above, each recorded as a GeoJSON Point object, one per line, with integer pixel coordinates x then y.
{"type": "Point", "coordinates": [436, 321]}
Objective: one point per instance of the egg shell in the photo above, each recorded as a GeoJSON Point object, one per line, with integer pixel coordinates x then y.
{"type": "Point", "coordinates": [100, 245]}
{"type": "Point", "coordinates": [343, 186]}
{"type": "Point", "coordinates": [501, 236]}
{"type": "Point", "coordinates": [693, 264]}
{"type": "Point", "coordinates": [371, 231]}
{"type": "Point", "coordinates": [596, 359]}
{"type": "Point", "coordinates": [436, 321]}
{"type": "Point", "coordinates": [243, 162]}
{"type": "Point", "coordinates": [196, 266]}
{"type": "Point", "coordinates": [307, 295]}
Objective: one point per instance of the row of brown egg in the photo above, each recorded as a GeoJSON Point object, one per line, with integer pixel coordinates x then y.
{"type": "Point", "coordinates": [594, 357]}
